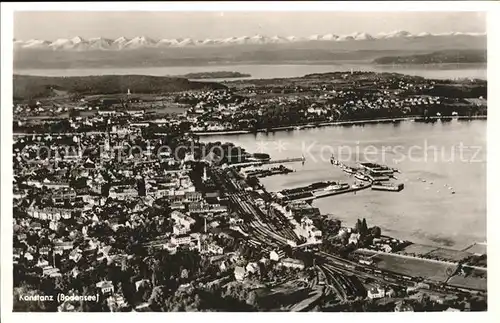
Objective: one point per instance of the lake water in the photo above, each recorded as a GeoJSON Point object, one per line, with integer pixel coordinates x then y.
{"type": "Point", "coordinates": [431, 157]}
{"type": "Point", "coordinates": [448, 71]}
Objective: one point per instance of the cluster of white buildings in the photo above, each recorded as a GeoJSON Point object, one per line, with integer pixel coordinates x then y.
{"type": "Point", "coordinates": [182, 224]}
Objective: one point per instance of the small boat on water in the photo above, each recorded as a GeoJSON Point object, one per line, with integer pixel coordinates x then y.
{"type": "Point", "coordinates": [297, 128]}
{"type": "Point", "coordinates": [334, 161]}
{"type": "Point", "coordinates": [358, 185]}
{"type": "Point", "coordinates": [349, 170]}
{"type": "Point", "coordinates": [336, 187]}
{"type": "Point", "coordinates": [361, 177]}
{"type": "Point", "coordinates": [379, 186]}
{"type": "Point", "coordinates": [375, 178]}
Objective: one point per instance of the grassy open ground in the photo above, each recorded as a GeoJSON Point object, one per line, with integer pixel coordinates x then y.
{"type": "Point", "coordinates": [414, 267]}
{"type": "Point", "coordinates": [478, 248]}
{"type": "Point", "coordinates": [418, 249]}
{"type": "Point", "coordinates": [449, 254]}
{"type": "Point", "coordinates": [474, 282]}
{"type": "Point", "coordinates": [436, 252]}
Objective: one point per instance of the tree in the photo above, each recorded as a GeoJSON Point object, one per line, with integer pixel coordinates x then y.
{"type": "Point", "coordinates": [359, 226]}
{"type": "Point", "coordinates": [158, 298]}
{"type": "Point", "coordinates": [62, 283]}
{"type": "Point", "coordinates": [364, 227]}
{"type": "Point", "coordinates": [376, 232]}
{"type": "Point", "coordinates": [252, 299]}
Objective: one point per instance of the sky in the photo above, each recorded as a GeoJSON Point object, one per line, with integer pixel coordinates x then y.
{"type": "Point", "coordinates": [201, 25]}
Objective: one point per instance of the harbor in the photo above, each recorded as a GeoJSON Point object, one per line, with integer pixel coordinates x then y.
{"type": "Point", "coordinates": [374, 176]}
{"type": "Point", "coordinates": [378, 176]}
{"type": "Point", "coordinates": [388, 206]}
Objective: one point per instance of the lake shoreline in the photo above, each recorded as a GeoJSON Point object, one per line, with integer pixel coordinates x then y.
{"type": "Point", "coordinates": [331, 124]}
{"type": "Point", "coordinates": [272, 70]}
{"type": "Point", "coordinates": [422, 213]}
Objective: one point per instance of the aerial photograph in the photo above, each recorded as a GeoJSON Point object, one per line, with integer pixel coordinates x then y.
{"type": "Point", "coordinates": [249, 161]}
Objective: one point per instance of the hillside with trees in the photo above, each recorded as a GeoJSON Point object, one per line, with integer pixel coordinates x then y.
{"type": "Point", "coordinates": [30, 87]}
{"type": "Point", "coordinates": [439, 57]}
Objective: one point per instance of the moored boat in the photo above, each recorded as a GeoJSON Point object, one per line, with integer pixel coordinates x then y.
{"type": "Point", "coordinates": [349, 170]}
{"type": "Point", "coordinates": [361, 177]}
{"type": "Point", "coordinates": [378, 186]}
{"type": "Point", "coordinates": [336, 187]}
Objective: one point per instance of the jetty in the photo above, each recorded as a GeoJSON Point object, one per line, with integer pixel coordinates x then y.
{"type": "Point", "coordinates": [342, 191]}
{"type": "Point", "coordinates": [268, 162]}
{"type": "Point", "coordinates": [285, 160]}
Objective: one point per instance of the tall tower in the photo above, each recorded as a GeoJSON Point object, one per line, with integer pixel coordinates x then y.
{"type": "Point", "coordinates": [128, 92]}
{"type": "Point", "coordinates": [205, 178]}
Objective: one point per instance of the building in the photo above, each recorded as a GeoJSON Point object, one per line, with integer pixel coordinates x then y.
{"type": "Point", "coordinates": [214, 249]}
{"type": "Point", "coordinates": [276, 255]}
{"type": "Point", "coordinates": [49, 213]}
{"type": "Point", "coordinates": [182, 219]}
{"type": "Point", "coordinates": [202, 208]}
{"type": "Point", "coordinates": [366, 261]}
{"type": "Point", "coordinates": [403, 306]}
{"type": "Point", "coordinates": [122, 192]}
{"type": "Point", "coordinates": [63, 245]}
{"type": "Point", "coordinates": [252, 268]}
{"type": "Point", "coordinates": [376, 292]}
{"type": "Point", "coordinates": [181, 240]}
{"type": "Point", "coordinates": [239, 273]}
{"type": "Point", "coordinates": [64, 194]}
{"type": "Point", "coordinates": [354, 238]}
{"type": "Point", "coordinates": [106, 287]}
{"type": "Point", "coordinates": [292, 263]}
{"type": "Point", "coordinates": [180, 230]}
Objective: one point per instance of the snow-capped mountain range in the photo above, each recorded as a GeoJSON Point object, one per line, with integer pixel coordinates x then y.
{"type": "Point", "coordinates": [122, 43]}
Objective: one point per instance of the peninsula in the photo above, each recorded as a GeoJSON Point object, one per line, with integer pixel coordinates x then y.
{"type": "Point", "coordinates": [213, 75]}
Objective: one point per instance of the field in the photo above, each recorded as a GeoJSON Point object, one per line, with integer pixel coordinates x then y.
{"type": "Point", "coordinates": [478, 248]}
{"type": "Point", "coordinates": [414, 267]}
{"type": "Point", "coordinates": [169, 108]}
{"type": "Point", "coordinates": [449, 254]}
{"type": "Point", "coordinates": [469, 282]}
{"type": "Point", "coordinates": [418, 249]}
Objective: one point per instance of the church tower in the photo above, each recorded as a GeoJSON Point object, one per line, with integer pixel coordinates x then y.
{"type": "Point", "coordinates": [205, 177]}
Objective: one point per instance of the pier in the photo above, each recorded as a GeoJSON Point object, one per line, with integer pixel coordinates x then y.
{"type": "Point", "coordinates": [269, 162]}
{"type": "Point", "coordinates": [344, 191]}
{"type": "Point", "coordinates": [317, 194]}
{"type": "Point", "coordinates": [286, 160]}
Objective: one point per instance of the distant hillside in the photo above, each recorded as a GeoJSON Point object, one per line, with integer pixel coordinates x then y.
{"type": "Point", "coordinates": [439, 57]}
{"type": "Point", "coordinates": [213, 75]}
{"type": "Point", "coordinates": [29, 87]}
